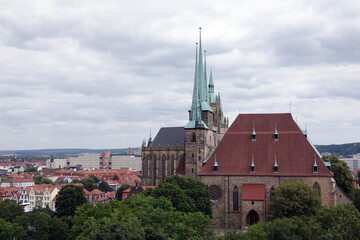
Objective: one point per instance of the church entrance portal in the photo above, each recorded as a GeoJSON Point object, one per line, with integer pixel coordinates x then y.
{"type": "Point", "coordinates": [252, 217]}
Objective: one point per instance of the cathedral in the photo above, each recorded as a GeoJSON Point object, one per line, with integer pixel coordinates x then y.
{"type": "Point", "coordinates": [242, 165]}
{"type": "Point", "coordinates": [183, 150]}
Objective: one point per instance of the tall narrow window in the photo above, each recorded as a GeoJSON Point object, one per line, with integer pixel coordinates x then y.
{"type": "Point", "coordinates": [155, 170]}
{"type": "Point", "coordinates": [193, 139]}
{"type": "Point", "coordinates": [317, 188]}
{"type": "Point", "coordinates": [272, 192]}
{"type": "Point", "coordinates": [172, 165]}
{"type": "Point", "coordinates": [163, 167]}
{"type": "Point", "coordinates": [236, 199]}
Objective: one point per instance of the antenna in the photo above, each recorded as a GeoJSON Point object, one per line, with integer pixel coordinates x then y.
{"type": "Point", "coordinates": [290, 107]}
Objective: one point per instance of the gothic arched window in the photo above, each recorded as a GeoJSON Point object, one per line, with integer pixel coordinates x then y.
{"type": "Point", "coordinates": [163, 167]}
{"type": "Point", "coordinates": [272, 192]}
{"type": "Point", "coordinates": [236, 199]}
{"type": "Point", "coordinates": [193, 139]}
{"type": "Point", "coordinates": [316, 186]}
{"type": "Point", "coordinates": [172, 164]}
{"type": "Point", "coordinates": [155, 170]}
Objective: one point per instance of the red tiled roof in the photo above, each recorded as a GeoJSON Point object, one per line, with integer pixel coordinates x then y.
{"type": "Point", "coordinates": [23, 180]}
{"type": "Point", "coordinates": [294, 153]}
{"type": "Point", "coordinates": [253, 192]}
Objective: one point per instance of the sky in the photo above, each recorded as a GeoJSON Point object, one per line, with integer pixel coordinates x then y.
{"type": "Point", "coordinates": [100, 74]}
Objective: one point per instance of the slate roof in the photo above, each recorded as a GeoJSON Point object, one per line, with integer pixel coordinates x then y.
{"type": "Point", "coordinates": [294, 154]}
{"type": "Point", "coordinates": [170, 134]}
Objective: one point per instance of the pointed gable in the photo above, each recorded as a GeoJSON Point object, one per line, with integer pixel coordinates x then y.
{"type": "Point", "coordinates": [294, 153]}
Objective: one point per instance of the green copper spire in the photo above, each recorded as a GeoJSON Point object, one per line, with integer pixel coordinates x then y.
{"type": "Point", "coordinates": [205, 90]}
{"type": "Point", "coordinates": [212, 98]}
{"type": "Point", "coordinates": [201, 71]}
{"type": "Point", "coordinates": [195, 120]}
{"type": "Point", "coordinates": [195, 115]}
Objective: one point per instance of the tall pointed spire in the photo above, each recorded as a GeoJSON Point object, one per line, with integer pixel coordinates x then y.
{"type": "Point", "coordinates": [205, 90]}
{"type": "Point", "coordinates": [201, 70]}
{"type": "Point", "coordinates": [212, 98]}
{"type": "Point", "coordinates": [195, 99]}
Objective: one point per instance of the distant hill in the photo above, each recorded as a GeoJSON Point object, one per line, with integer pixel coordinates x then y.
{"type": "Point", "coordinates": [340, 149]}
{"type": "Point", "coordinates": [60, 152]}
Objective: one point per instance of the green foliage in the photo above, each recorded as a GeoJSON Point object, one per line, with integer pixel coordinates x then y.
{"type": "Point", "coordinates": [186, 194]}
{"type": "Point", "coordinates": [110, 232]}
{"type": "Point", "coordinates": [93, 177]}
{"type": "Point", "coordinates": [119, 192]}
{"type": "Point", "coordinates": [232, 234]}
{"type": "Point", "coordinates": [138, 217]}
{"type": "Point", "coordinates": [42, 180]}
{"type": "Point", "coordinates": [342, 174]}
{"type": "Point", "coordinates": [336, 222]}
{"type": "Point", "coordinates": [10, 231]}
{"type": "Point", "coordinates": [293, 198]}
{"type": "Point", "coordinates": [9, 210]}
{"type": "Point", "coordinates": [286, 229]}
{"type": "Point", "coordinates": [39, 225]}
{"type": "Point", "coordinates": [31, 169]}
{"type": "Point", "coordinates": [104, 186]}
{"type": "Point", "coordinates": [68, 198]}
{"type": "Point", "coordinates": [255, 232]}
{"type": "Point", "coordinates": [88, 183]}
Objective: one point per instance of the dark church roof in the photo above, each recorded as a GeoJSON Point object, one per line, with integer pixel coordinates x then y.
{"type": "Point", "coordinates": [295, 156]}
{"type": "Point", "coordinates": [170, 135]}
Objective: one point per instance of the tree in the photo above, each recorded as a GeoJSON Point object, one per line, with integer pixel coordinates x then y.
{"type": "Point", "coordinates": [342, 174]}
{"type": "Point", "coordinates": [68, 198]}
{"type": "Point", "coordinates": [39, 225]}
{"type": "Point", "coordinates": [141, 217]}
{"type": "Point", "coordinates": [31, 169]}
{"type": "Point", "coordinates": [88, 183]}
{"type": "Point", "coordinates": [104, 186]}
{"type": "Point", "coordinates": [293, 198]}
{"type": "Point", "coordinates": [10, 231]}
{"type": "Point", "coordinates": [9, 210]}
{"type": "Point", "coordinates": [336, 222]}
{"type": "Point", "coordinates": [186, 194]}
{"type": "Point", "coordinates": [287, 228]}
{"type": "Point", "coordinates": [119, 192]}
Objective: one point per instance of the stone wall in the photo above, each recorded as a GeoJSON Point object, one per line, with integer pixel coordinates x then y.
{"type": "Point", "coordinates": [223, 207]}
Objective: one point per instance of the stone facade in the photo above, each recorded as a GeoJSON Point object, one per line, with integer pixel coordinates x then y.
{"type": "Point", "coordinates": [259, 152]}
{"type": "Point", "coordinates": [159, 163]}
{"type": "Point", "coordinates": [226, 214]}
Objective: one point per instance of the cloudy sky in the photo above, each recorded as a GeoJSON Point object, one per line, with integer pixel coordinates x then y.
{"type": "Point", "coordinates": [98, 74]}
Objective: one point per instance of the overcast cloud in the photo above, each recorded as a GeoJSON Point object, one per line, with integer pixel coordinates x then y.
{"type": "Point", "coordinates": [98, 74]}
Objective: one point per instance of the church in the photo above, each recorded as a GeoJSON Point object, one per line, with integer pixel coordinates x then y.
{"type": "Point", "coordinates": [182, 150]}
{"type": "Point", "coordinates": [243, 164]}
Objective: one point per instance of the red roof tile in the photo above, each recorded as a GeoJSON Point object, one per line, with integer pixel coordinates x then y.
{"type": "Point", "coordinates": [294, 153]}
{"type": "Point", "coordinates": [253, 192]}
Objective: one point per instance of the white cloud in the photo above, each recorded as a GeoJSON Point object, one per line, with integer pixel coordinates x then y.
{"type": "Point", "coordinates": [98, 74]}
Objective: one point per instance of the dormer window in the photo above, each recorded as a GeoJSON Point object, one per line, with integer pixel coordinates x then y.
{"type": "Point", "coordinates": [253, 135]}
{"type": "Point", "coordinates": [276, 167]}
{"type": "Point", "coordinates": [252, 167]}
{"type": "Point", "coordinates": [276, 134]}
{"type": "Point", "coordinates": [315, 167]}
{"type": "Point", "coordinates": [215, 165]}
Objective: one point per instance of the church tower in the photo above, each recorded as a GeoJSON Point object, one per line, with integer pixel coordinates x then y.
{"type": "Point", "coordinates": [204, 126]}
